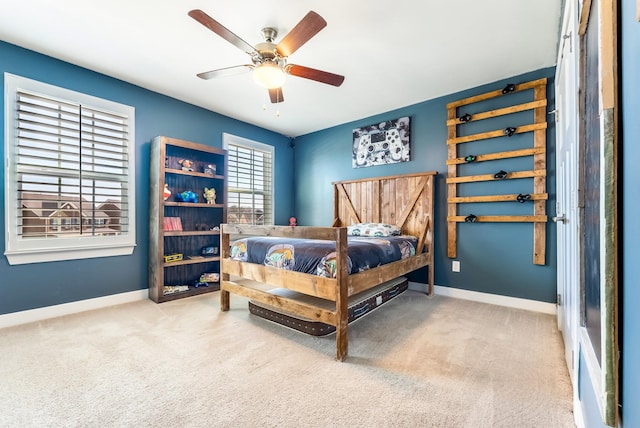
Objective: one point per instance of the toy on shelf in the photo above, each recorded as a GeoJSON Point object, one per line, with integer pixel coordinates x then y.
{"type": "Point", "coordinates": [210, 170]}
{"type": "Point", "coordinates": [171, 289]}
{"type": "Point", "coordinates": [187, 196]}
{"type": "Point", "coordinates": [293, 221]}
{"type": "Point", "coordinates": [167, 192]}
{"type": "Point", "coordinates": [198, 283]}
{"type": "Point", "coordinates": [175, 257]}
{"type": "Point", "coordinates": [209, 251]}
{"type": "Point", "coordinates": [210, 277]}
{"type": "Point", "coordinates": [187, 165]}
{"type": "Point", "coordinates": [210, 195]}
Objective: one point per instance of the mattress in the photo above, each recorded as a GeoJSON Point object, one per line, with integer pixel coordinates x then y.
{"type": "Point", "coordinates": [359, 305]}
{"type": "Point", "coordinates": [318, 257]}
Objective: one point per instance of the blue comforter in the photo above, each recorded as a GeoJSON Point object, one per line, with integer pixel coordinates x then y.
{"type": "Point", "coordinates": [318, 257]}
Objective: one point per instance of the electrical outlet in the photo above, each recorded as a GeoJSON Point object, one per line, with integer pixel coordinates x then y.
{"type": "Point", "coordinates": [455, 266]}
{"type": "Point", "coordinates": [378, 300]}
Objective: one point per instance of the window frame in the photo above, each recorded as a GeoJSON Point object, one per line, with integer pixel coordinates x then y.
{"type": "Point", "coordinates": [229, 139]}
{"type": "Point", "coordinates": [38, 250]}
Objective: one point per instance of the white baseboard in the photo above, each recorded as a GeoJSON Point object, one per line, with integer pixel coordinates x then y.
{"type": "Point", "coordinates": [493, 299]}
{"type": "Point", "coordinates": [39, 314]}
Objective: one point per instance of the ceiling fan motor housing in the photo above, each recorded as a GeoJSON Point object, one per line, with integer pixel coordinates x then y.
{"type": "Point", "coordinates": [269, 34]}
{"type": "Point", "coordinates": [268, 50]}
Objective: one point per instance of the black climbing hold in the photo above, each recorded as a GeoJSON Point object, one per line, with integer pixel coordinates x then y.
{"type": "Point", "coordinates": [465, 118]}
{"type": "Point", "coordinates": [509, 131]}
{"type": "Point", "coordinates": [509, 88]}
{"type": "Point", "coordinates": [470, 218]}
{"type": "Point", "coordinates": [523, 197]}
{"type": "Point", "coordinates": [500, 175]}
{"type": "Point", "coordinates": [469, 158]}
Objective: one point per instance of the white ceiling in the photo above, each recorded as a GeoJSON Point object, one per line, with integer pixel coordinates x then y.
{"type": "Point", "coordinates": [392, 53]}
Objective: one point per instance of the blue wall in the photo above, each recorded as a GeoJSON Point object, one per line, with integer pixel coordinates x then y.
{"type": "Point", "coordinates": [495, 257]}
{"type": "Point", "coordinates": [630, 230]}
{"type": "Point", "coordinates": [44, 284]}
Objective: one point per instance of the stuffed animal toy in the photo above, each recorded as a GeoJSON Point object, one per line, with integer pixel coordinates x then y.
{"type": "Point", "coordinates": [187, 165]}
{"type": "Point", "coordinates": [210, 195]}
{"type": "Point", "coordinates": [187, 196]}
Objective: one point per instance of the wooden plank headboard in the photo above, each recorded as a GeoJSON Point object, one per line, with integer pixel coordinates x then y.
{"type": "Point", "coordinates": [403, 200]}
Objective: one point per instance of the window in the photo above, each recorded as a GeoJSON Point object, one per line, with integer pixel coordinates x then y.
{"type": "Point", "coordinates": [69, 191]}
{"type": "Point", "coordinates": [250, 181]}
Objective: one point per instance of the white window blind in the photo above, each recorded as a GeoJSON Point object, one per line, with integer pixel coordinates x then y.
{"type": "Point", "coordinates": [250, 181]}
{"type": "Point", "coordinates": [70, 184]}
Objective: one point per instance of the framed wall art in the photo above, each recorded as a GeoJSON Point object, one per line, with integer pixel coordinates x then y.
{"type": "Point", "coordinates": [382, 143]}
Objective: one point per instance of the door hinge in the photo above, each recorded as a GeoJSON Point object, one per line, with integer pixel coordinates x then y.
{"type": "Point", "coordinates": [559, 299]}
{"type": "Point", "coordinates": [569, 36]}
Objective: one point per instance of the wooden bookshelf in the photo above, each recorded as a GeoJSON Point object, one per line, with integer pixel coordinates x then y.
{"type": "Point", "coordinates": [182, 228]}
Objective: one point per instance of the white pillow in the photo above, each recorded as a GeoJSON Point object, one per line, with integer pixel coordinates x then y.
{"type": "Point", "coordinates": [373, 229]}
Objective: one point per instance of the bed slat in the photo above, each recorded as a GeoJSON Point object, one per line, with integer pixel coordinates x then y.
{"type": "Point", "coordinates": [248, 290]}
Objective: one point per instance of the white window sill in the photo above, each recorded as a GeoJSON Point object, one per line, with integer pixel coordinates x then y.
{"type": "Point", "coordinates": [41, 256]}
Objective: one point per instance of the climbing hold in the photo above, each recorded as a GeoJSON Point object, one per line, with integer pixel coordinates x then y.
{"type": "Point", "coordinates": [469, 158]}
{"type": "Point", "coordinates": [500, 175]}
{"type": "Point", "coordinates": [509, 131]}
{"type": "Point", "coordinates": [523, 197]}
{"type": "Point", "coordinates": [465, 118]}
{"type": "Point", "coordinates": [470, 218]}
{"type": "Point", "coordinates": [509, 88]}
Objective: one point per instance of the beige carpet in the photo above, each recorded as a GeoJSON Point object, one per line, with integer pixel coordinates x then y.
{"type": "Point", "coordinates": [415, 362]}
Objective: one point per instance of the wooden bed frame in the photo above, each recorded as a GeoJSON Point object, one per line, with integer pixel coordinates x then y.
{"type": "Point", "coordinates": [403, 200]}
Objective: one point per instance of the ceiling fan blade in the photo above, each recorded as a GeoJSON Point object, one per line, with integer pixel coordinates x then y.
{"type": "Point", "coordinates": [308, 27]}
{"type": "Point", "coordinates": [276, 95]}
{"type": "Point", "coordinates": [227, 71]}
{"type": "Point", "coordinates": [313, 74]}
{"type": "Point", "coordinates": [221, 31]}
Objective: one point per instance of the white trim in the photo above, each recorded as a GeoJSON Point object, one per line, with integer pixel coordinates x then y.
{"type": "Point", "coordinates": [39, 314]}
{"type": "Point", "coordinates": [54, 255]}
{"type": "Point", "coordinates": [593, 367]}
{"type": "Point", "coordinates": [36, 250]}
{"type": "Point", "coordinates": [256, 145]}
{"type": "Point", "coordinates": [492, 299]}
{"type": "Point", "coordinates": [578, 417]}
{"type": "Point", "coordinates": [228, 139]}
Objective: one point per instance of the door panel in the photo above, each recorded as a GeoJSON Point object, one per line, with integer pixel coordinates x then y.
{"type": "Point", "coordinates": [567, 210]}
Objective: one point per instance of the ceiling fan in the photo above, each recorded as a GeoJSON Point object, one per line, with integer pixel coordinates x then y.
{"type": "Point", "coordinates": [269, 61]}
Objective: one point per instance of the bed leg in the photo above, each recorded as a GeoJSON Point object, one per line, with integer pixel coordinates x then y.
{"type": "Point", "coordinates": [224, 300]}
{"type": "Point", "coordinates": [430, 290]}
{"type": "Point", "coordinates": [342, 294]}
{"type": "Point", "coordinates": [342, 342]}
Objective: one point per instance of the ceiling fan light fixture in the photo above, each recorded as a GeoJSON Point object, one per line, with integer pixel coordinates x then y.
{"type": "Point", "coordinates": [269, 75]}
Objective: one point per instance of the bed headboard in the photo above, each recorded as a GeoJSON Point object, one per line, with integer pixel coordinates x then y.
{"type": "Point", "coordinates": [403, 200]}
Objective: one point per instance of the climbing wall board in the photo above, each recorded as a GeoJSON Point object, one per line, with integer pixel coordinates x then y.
{"type": "Point", "coordinates": [538, 174]}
